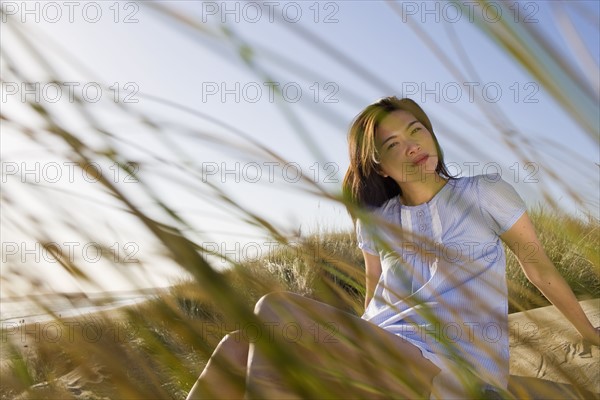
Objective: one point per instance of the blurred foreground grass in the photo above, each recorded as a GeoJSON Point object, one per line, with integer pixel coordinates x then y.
{"type": "Point", "coordinates": [157, 349]}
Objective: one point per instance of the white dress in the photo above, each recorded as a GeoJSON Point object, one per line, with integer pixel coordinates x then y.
{"type": "Point", "coordinates": [443, 283]}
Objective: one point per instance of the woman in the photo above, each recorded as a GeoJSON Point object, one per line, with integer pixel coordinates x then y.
{"type": "Point", "coordinates": [435, 323]}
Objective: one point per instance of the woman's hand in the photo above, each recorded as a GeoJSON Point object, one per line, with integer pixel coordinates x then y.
{"type": "Point", "coordinates": [588, 340]}
{"type": "Point", "coordinates": [543, 274]}
{"type": "Point", "coordinates": [592, 337]}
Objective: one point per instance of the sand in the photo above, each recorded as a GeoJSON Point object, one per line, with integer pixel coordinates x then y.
{"type": "Point", "coordinates": [544, 345]}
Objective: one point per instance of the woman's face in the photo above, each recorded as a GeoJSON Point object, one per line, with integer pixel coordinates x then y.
{"type": "Point", "coordinates": [406, 148]}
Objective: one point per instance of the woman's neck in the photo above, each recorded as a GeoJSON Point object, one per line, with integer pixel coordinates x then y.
{"type": "Point", "coordinates": [421, 191]}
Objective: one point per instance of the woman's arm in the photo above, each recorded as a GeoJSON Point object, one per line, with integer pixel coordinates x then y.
{"type": "Point", "coordinates": [539, 269]}
{"type": "Point", "coordinates": [372, 272]}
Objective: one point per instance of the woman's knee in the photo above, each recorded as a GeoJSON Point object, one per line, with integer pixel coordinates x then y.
{"type": "Point", "coordinates": [233, 347]}
{"type": "Point", "coordinates": [268, 305]}
{"type": "Point", "coordinates": [231, 338]}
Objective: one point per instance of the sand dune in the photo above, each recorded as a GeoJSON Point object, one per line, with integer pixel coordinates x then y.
{"type": "Point", "coordinates": [544, 345]}
{"type": "Point", "coordinates": [548, 361]}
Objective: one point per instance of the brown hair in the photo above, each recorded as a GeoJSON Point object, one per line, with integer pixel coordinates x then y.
{"type": "Point", "coordinates": [362, 185]}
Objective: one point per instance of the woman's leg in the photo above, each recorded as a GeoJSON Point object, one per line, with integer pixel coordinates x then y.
{"type": "Point", "coordinates": [225, 373]}
{"type": "Point", "coordinates": [344, 356]}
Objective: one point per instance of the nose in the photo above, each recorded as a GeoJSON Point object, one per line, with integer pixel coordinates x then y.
{"type": "Point", "coordinates": [412, 147]}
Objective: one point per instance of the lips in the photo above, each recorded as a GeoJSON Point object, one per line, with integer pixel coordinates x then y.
{"type": "Point", "coordinates": [420, 159]}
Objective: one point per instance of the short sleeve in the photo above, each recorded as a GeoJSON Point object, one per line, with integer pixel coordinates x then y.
{"type": "Point", "coordinates": [499, 202]}
{"type": "Point", "coordinates": [365, 239]}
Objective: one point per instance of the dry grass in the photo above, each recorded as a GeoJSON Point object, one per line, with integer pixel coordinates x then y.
{"type": "Point", "coordinates": [168, 339]}
{"type": "Point", "coordinates": [158, 348]}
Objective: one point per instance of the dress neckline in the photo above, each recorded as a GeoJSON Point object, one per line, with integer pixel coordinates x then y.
{"type": "Point", "coordinates": [426, 204]}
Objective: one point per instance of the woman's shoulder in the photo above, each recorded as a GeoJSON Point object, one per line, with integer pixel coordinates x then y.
{"type": "Point", "coordinates": [389, 207]}
{"type": "Point", "coordinates": [475, 180]}
{"type": "Point", "coordinates": [491, 183]}
{"type": "Point", "coordinates": [468, 188]}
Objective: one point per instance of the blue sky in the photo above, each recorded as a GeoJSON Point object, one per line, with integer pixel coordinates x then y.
{"type": "Point", "coordinates": [185, 67]}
